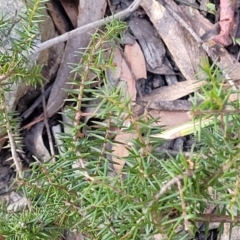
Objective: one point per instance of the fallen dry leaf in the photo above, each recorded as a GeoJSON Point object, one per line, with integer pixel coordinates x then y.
{"type": "Point", "coordinates": [51, 58]}
{"type": "Point", "coordinates": [58, 17]}
{"type": "Point", "coordinates": [114, 75]}
{"type": "Point", "coordinates": [71, 9]}
{"type": "Point", "coordinates": [180, 43]}
{"type": "Point", "coordinates": [119, 149]}
{"type": "Point", "coordinates": [126, 75]}
{"type": "Point", "coordinates": [35, 144]}
{"type": "Point", "coordinates": [169, 119]}
{"type": "Point", "coordinates": [89, 11]}
{"type": "Point", "coordinates": [227, 8]}
{"type": "Point", "coordinates": [135, 58]}
{"type": "Point", "coordinates": [121, 71]}
{"type": "Point", "coordinates": [173, 92]}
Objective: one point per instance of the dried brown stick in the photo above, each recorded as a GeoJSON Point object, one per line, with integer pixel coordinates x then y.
{"type": "Point", "coordinates": [176, 105]}
{"type": "Point", "coordinates": [184, 208]}
{"type": "Point", "coordinates": [16, 159]}
{"type": "Point", "coordinates": [197, 113]}
{"type": "Point", "coordinates": [29, 111]}
{"type": "Point", "coordinates": [47, 125]}
{"type": "Point", "coordinates": [9, 73]}
{"type": "Point", "coordinates": [5, 76]}
{"type": "Point", "coordinates": [169, 184]}
{"type": "Point", "coordinates": [218, 218]}
{"type": "Point", "coordinates": [76, 32]}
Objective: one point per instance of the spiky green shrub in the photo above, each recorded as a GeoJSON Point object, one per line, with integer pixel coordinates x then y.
{"type": "Point", "coordinates": [153, 193]}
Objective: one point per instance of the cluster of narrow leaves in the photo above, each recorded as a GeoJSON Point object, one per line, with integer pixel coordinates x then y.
{"type": "Point", "coordinates": [81, 190]}
{"type": "Point", "coordinates": [152, 193]}
{"type": "Point", "coordinates": [220, 141]}
{"type": "Point", "coordinates": [14, 60]}
{"type": "Point", "coordinates": [15, 69]}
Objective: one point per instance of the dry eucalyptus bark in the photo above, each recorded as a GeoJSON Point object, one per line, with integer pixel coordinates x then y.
{"type": "Point", "coordinates": [89, 11]}
{"type": "Point", "coordinates": [152, 46]}
{"type": "Point", "coordinates": [182, 46]}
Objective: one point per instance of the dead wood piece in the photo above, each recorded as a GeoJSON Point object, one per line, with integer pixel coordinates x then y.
{"type": "Point", "coordinates": [179, 41]}
{"type": "Point", "coordinates": [89, 11]}
{"type": "Point", "coordinates": [171, 78]}
{"type": "Point", "coordinates": [177, 105]}
{"type": "Point", "coordinates": [152, 46]}
{"type": "Point", "coordinates": [59, 20]}
{"type": "Point", "coordinates": [94, 25]}
{"type": "Point", "coordinates": [70, 8]}
{"type": "Point", "coordinates": [173, 92]}
{"type": "Point", "coordinates": [219, 218]}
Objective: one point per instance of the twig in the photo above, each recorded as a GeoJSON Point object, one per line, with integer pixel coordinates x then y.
{"type": "Point", "coordinates": [218, 218]}
{"type": "Point", "coordinates": [5, 76]}
{"type": "Point", "coordinates": [197, 113]}
{"type": "Point", "coordinates": [29, 111]}
{"type": "Point", "coordinates": [47, 125]}
{"type": "Point", "coordinates": [168, 185]}
{"type": "Point", "coordinates": [171, 152]}
{"type": "Point", "coordinates": [110, 6]}
{"type": "Point", "coordinates": [35, 121]}
{"type": "Point", "coordinates": [16, 160]}
{"type": "Point", "coordinates": [175, 180]}
{"type": "Point", "coordinates": [76, 32]}
{"type": "Point", "coordinates": [176, 105]}
{"type": "Point", "coordinates": [184, 210]}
